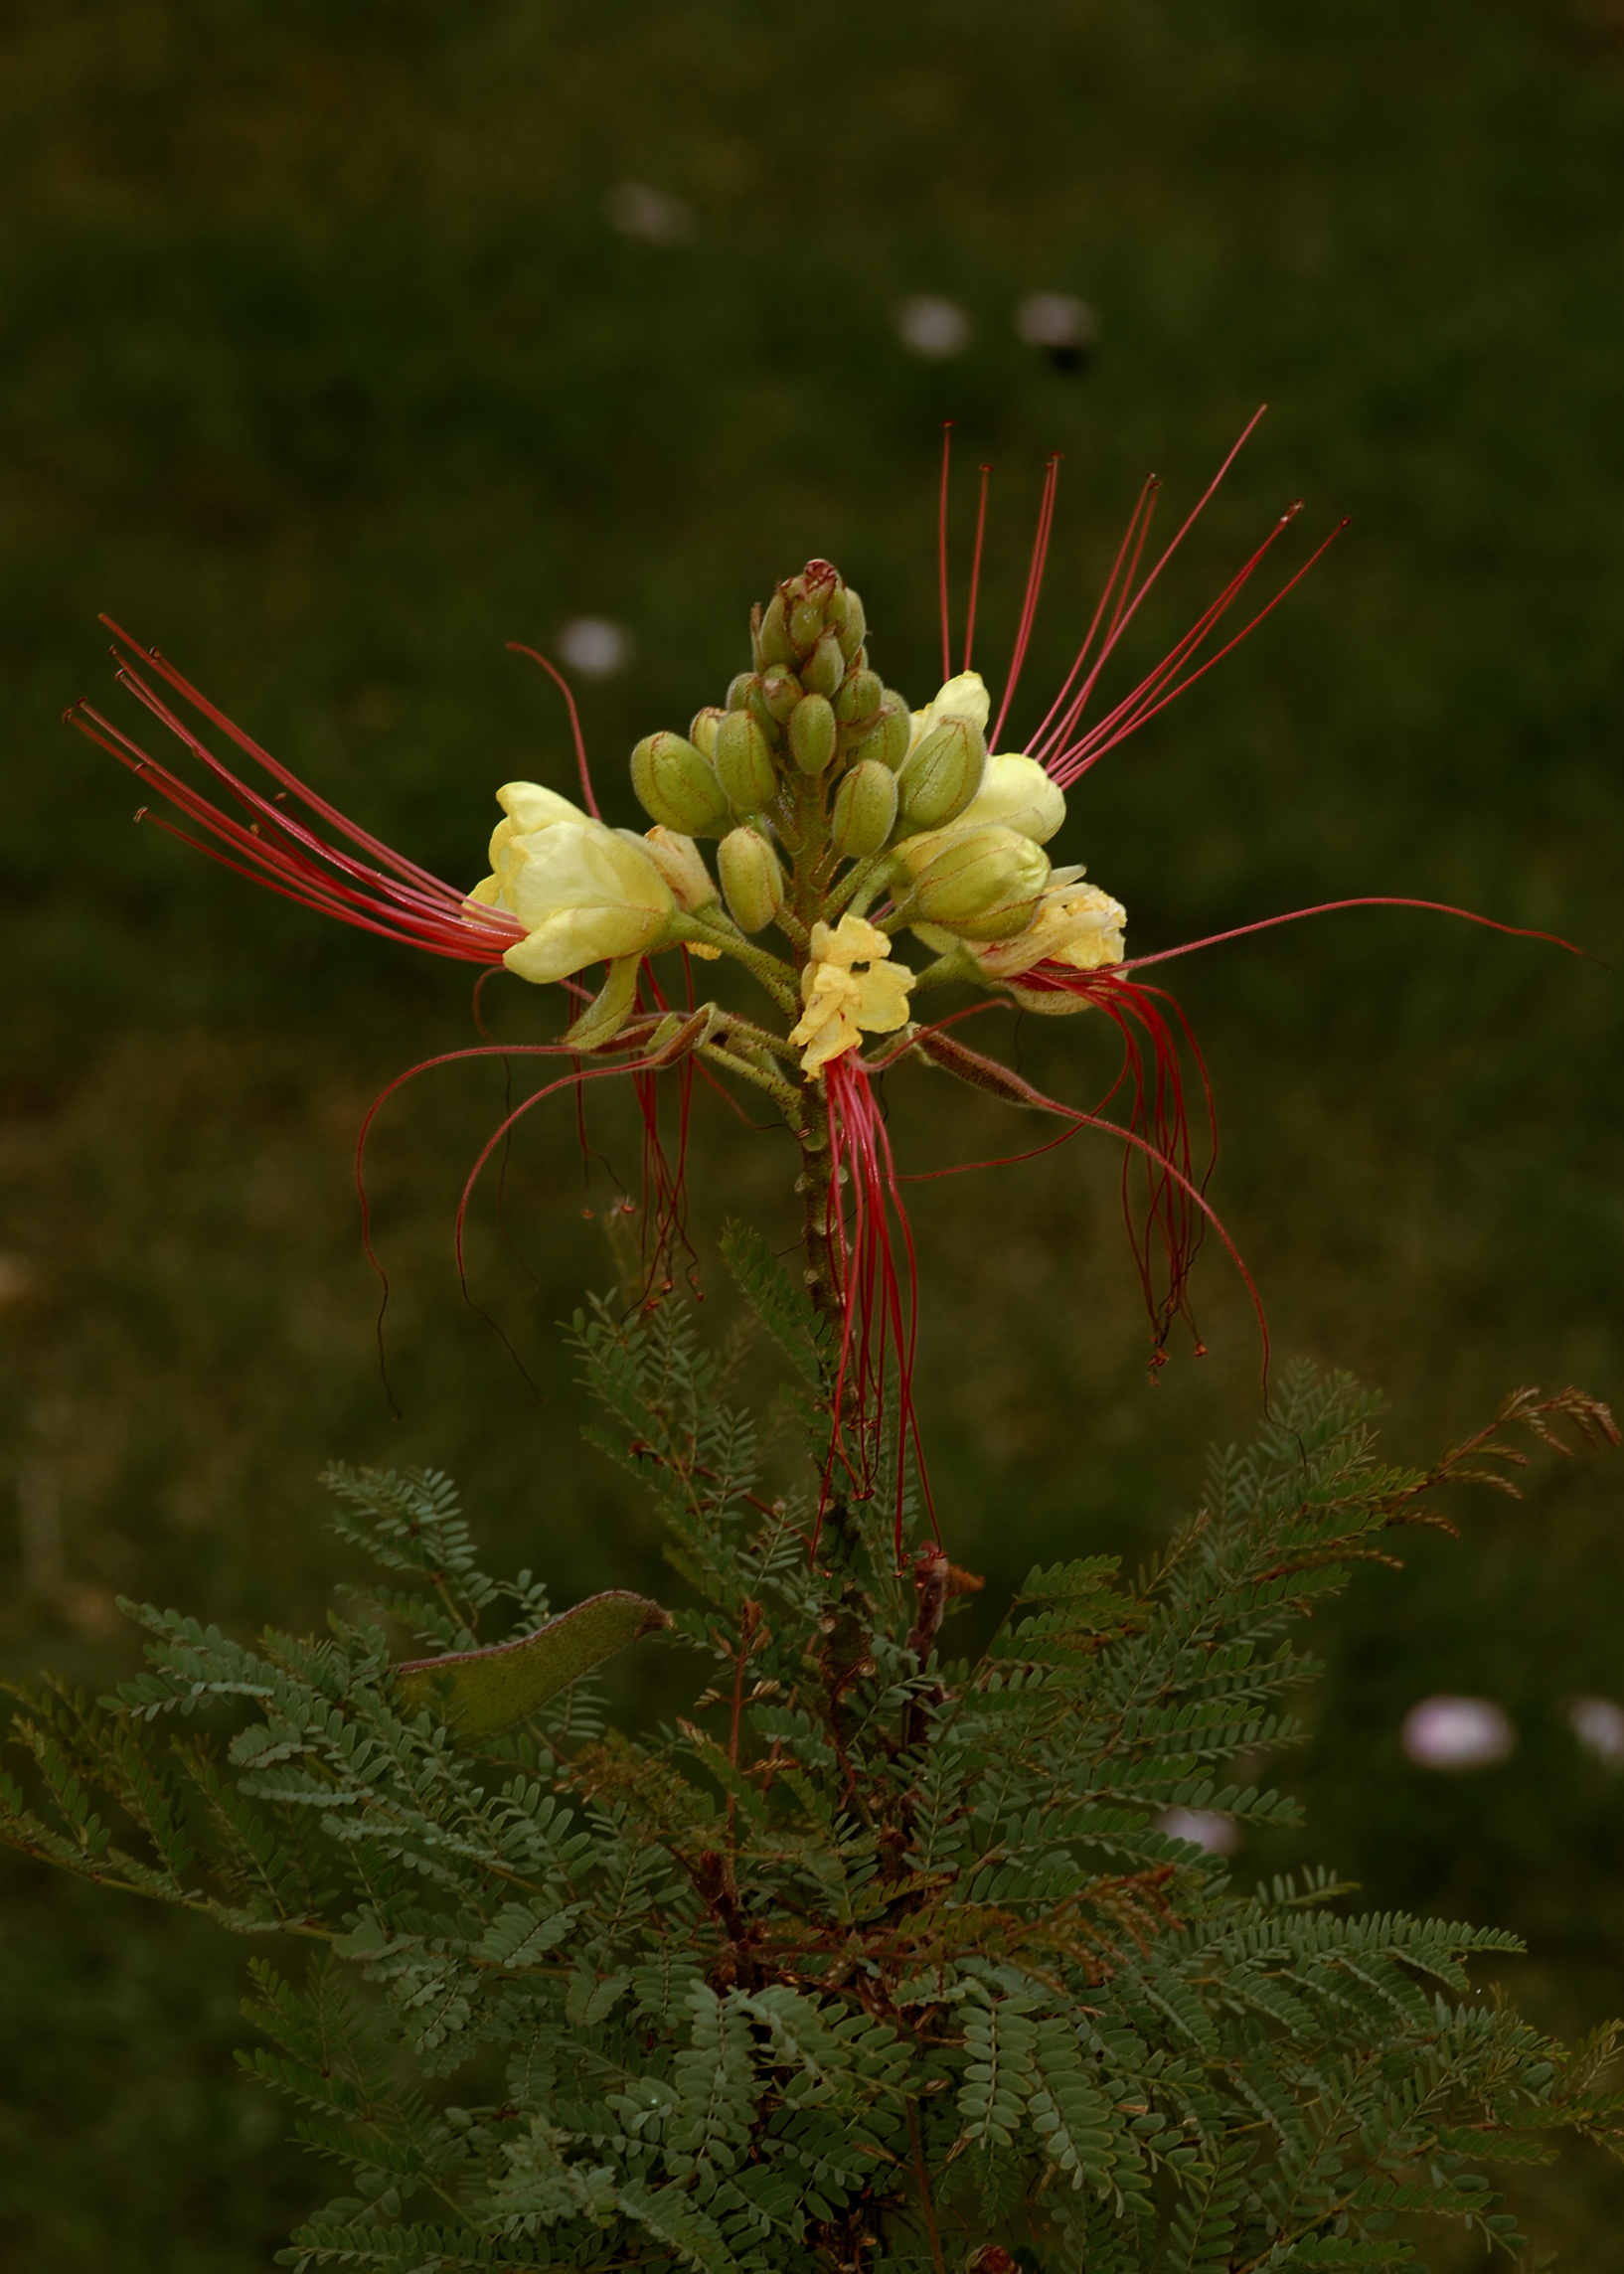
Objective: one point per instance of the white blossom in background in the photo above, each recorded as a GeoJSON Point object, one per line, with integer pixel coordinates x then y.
{"type": "Point", "coordinates": [1064, 328]}
{"type": "Point", "coordinates": [1457, 1733]}
{"type": "Point", "coordinates": [637, 210]}
{"type": "Point", "coordinates": [933, 327]}
{"type": "Point", "coordinates": [1599, 1724]}
{"type": "Point", "coordinates": [1203, 1827]}
{"type": "Point", "coordinates": [594, 647]}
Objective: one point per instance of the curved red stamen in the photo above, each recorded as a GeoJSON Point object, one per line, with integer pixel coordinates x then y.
{"type": "Point", "coordinates": [1364, 901]}
{"type": "Point", "coordinates": [880, 1317]}
{"type": "Point", "coordinates": [518, 647]}
{"type": "Point", "coordinates": [382, 891]}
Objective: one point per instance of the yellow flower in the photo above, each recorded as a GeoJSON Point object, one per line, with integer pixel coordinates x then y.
{"type": "Point", "coordinates": [583, 893]}
{"type": "Point", "coordinates": [843, 1001]}
{"type": "Point", "coordinates": [1075, 924]}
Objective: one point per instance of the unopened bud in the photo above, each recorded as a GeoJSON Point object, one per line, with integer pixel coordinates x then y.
{"type": "Point", "coordinates": [812, 733]}
{"type": "Point", "coordinates": [888, 740]}
{"type": "Point", "coordinates": [859, 699]}
{"type": "Point", "coordinates": [701, 731]}
{"type": "Point", "coordinates": [982, 883]}
{"type": "Point", "coordinates": [679, 862]}
{"type": "Point", "coordinates": [825, 667]}
{"type": "Point", "coordinates": [853, 625]}
{"type": "Point", "coordinates": [773, 638]}
{"type": "Point", "coordinates": [780, 691]}
{"type": "Point", "coordinates": [811, 597]}
{"type": "Point", "coordinates": [750, 878]}
{"type": "Point", "coordinates": [943, 774]}
{"type": "Point", "coordinates": [743, 762]}
{"type": "Point", "coordinates": [1015, 794]}
{"type": "Point", "coordinates": [865, 809]}
{"type": "Point", "coordinates": [677, 786]}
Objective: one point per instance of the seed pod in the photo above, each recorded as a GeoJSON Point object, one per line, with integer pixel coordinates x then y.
{"type": "Point", "coordinates": [743, 762]}
{"type": "Point", "coordinates": [677, 786]}
{"type": "Point", "coordinates": [773, 638]}
{"type": "Point", "coordinates": [852, 626]}
{"type": "Point", "coordinates": [780, 691]}
{"type": "Point", "coordinates": [943, 774]}
{"type": "Point", "coordinates": [812, 733]}
{"type": "Point", "coordinates": [982, 883]}
{"type": "Point", "coordinates": [859, 699]}
{"type": "Point", "coordinates": [825, 667]}
{"type": "Point", "coordinates": [701, 731]}
{"type": "Point", "coordinates": [751, 879]}
{"type": "Point", "coordinates": [865, 809]}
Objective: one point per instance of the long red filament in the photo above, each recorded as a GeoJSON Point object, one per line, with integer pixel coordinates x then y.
{"type": "Point", "coordinates": [1029, 604]}
{"type": "Point", "coordinates": [880, 1320]}
{"type": "Point", "coordinates": [975, 567]}
{"type": "Point", "coordinates": [589, 798]}
{"type": "Point", "coordinates": [942, 551]}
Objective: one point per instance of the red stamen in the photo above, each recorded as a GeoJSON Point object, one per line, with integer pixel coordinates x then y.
{"type": "Point", "coordinates": [1029, 605]}
{"type": "Point", "coordinates": [1329, 907]}
{"type": "Point", "coordinates": [518, 647]}
{"type": "Point", "coordinates": [879, 1323]}
{"type": "Point", "coordinates": [942, 551]}
{"type": "Point", "coordinates": [975, 567]}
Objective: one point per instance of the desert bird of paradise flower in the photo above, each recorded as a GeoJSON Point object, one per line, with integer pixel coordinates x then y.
{"type": "Point", "coordinates": [846, 824]}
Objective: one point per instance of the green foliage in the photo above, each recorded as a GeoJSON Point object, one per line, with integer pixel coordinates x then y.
{"type": "Point", "coordinates": [871, 1952]}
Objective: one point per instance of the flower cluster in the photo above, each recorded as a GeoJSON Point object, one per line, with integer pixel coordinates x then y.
{"type": "Point", "coordinates": [840, 818]}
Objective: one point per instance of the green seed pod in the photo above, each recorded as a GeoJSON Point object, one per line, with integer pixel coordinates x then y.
{"type": "Point", "coordinates": [865, 809]}
{"type": "Point", "coordinates": [780, 691]}
{"type": "Point", "coordinates": [941, 776]}
{"type": "Point", "coordinates": [743, 762]}
{"type": "Point", "coordinates": [824, 667]}
{"type": "Point", "coordinates": [858, 703]}
{"type": "Point", "coordinates": [851, 626]}
{"type": "Point", "coordinates": [677, 786]}
{"type": "Point", "coordinates": [701, 731]}
{"type": "Point", "coordinates": [773, 638]}
{"type": "Point", "coordinates": [812, 733]}
{"type": "Point", "coordinates": [982, 883]}
{"type": "Point", "coordinates": [751, 879]}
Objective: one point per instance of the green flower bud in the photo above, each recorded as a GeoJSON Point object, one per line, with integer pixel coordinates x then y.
{"type": "Point", "coordinates": [943, 774]}
{"type": "Point", "coordinates": [743, 762]}
{"type": "Point", "coordinates": [751, 879]}
{"type": "Point", "coordinates": [741, 688]}
{"type": "Point", "coordinates": [780, 691]}
{"type": "Point", "coordinates": [679, 863]}
{"type": "Point", "coordinates": [677, 786]}
{"type": "Point", "coordinates": [982, 883]}
{"type": "Point", "coordinates": [812, 733]}
{"type": "Point", "coordinates": [806, 614]}
{"type": "Point", "coordinates": [825, 667]}
{"type": "Point", "coordinates": [701, 731]}
{"type": "Point", "coordinates": [852, 624]}
{"type": "Point", "coordinates": [865, 809]}
{"type": "Point", "coordinates": [773, 638]}
{"type": "Point", "coordinates": [859, 699]}
{"type": "Point", "coordinates": [888, 740]}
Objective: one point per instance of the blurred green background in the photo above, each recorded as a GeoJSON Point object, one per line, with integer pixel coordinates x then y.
{"type": "Point", "coordinates": [322, 367]}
